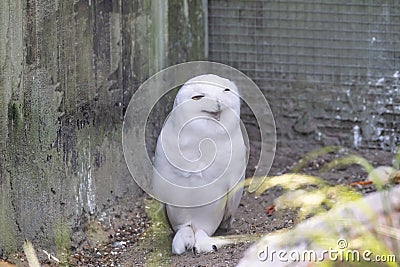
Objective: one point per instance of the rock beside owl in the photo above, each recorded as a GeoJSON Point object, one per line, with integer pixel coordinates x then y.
{"type": "Point", "coordinates": [201, 151]}
{"type": "Point", "coordinates": [384, 175]}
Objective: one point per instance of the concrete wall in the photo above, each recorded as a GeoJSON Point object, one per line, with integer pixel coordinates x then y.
{"type": "Point", "coordinates": [68, 70]}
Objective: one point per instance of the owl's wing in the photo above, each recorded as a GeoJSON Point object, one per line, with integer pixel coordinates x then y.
{"type": "Point", "coordinates": [235, 195]}
{"type": "Point", "coordinates": [232, 203]}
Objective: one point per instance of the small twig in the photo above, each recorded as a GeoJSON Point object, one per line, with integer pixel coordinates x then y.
{"type": "Point", "coordinates": [50, 256]}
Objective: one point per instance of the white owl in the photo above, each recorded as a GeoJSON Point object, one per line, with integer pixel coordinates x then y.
{"type": "Point", "coordinates": [201, 149]}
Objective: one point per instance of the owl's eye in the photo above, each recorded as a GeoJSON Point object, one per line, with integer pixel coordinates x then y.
{"type": "Point", "coordinates": [227, 90]}
{"type": "Point", "coordinates": [197, 97]}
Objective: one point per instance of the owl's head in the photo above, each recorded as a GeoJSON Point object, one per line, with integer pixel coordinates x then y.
{"type": "Point", "coordinates": [208, 95]}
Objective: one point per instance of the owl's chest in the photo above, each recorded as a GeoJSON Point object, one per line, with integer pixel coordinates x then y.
{"type": "Point", "coordinates": [206, 150]}
{"type": "Point", "coordinates": [212, 151]}
{"type": "Point", "coordinates": [201, 146]}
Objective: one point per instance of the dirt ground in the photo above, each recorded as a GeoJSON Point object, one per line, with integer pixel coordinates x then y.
{"type": "Point", "coordinates": [124, 235]}
{"type": "Point", "coordinates": [129, 240]}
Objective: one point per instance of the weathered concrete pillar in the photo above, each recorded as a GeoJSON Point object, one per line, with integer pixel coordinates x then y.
{"type": "Point", "coordinates": [67, 71]}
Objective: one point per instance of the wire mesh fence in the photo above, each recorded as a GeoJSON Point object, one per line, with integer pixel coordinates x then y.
{"type": "Point", "coordinates": [330, 69]}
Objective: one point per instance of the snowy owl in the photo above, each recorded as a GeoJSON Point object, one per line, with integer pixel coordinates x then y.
{"type": "Point", "coordinates": [201, 147]}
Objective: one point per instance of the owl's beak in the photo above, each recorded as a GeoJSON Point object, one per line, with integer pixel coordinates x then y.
{"type": "Point", "coordinates": [217, 113]}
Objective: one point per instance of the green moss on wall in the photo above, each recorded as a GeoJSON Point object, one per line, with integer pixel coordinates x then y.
{"type": "Point", "coordinates": [8, 244]}
{"type": "Point", "coordinates": [186, 30]}
{"type": "Point", "coordinates": [13, 113]}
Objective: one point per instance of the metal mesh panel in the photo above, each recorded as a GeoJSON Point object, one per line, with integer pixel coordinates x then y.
{"type": "Point", "coordinates": [329, 65]}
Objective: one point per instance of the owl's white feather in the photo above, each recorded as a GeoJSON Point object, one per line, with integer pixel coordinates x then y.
{"type": "Point", "coordinates": [200, 143]}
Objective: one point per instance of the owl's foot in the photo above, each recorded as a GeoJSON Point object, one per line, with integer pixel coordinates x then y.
{"type": "Point", "coordinates": [204, 243]}
{"type": "Point", "coordinates": [183, 240]}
